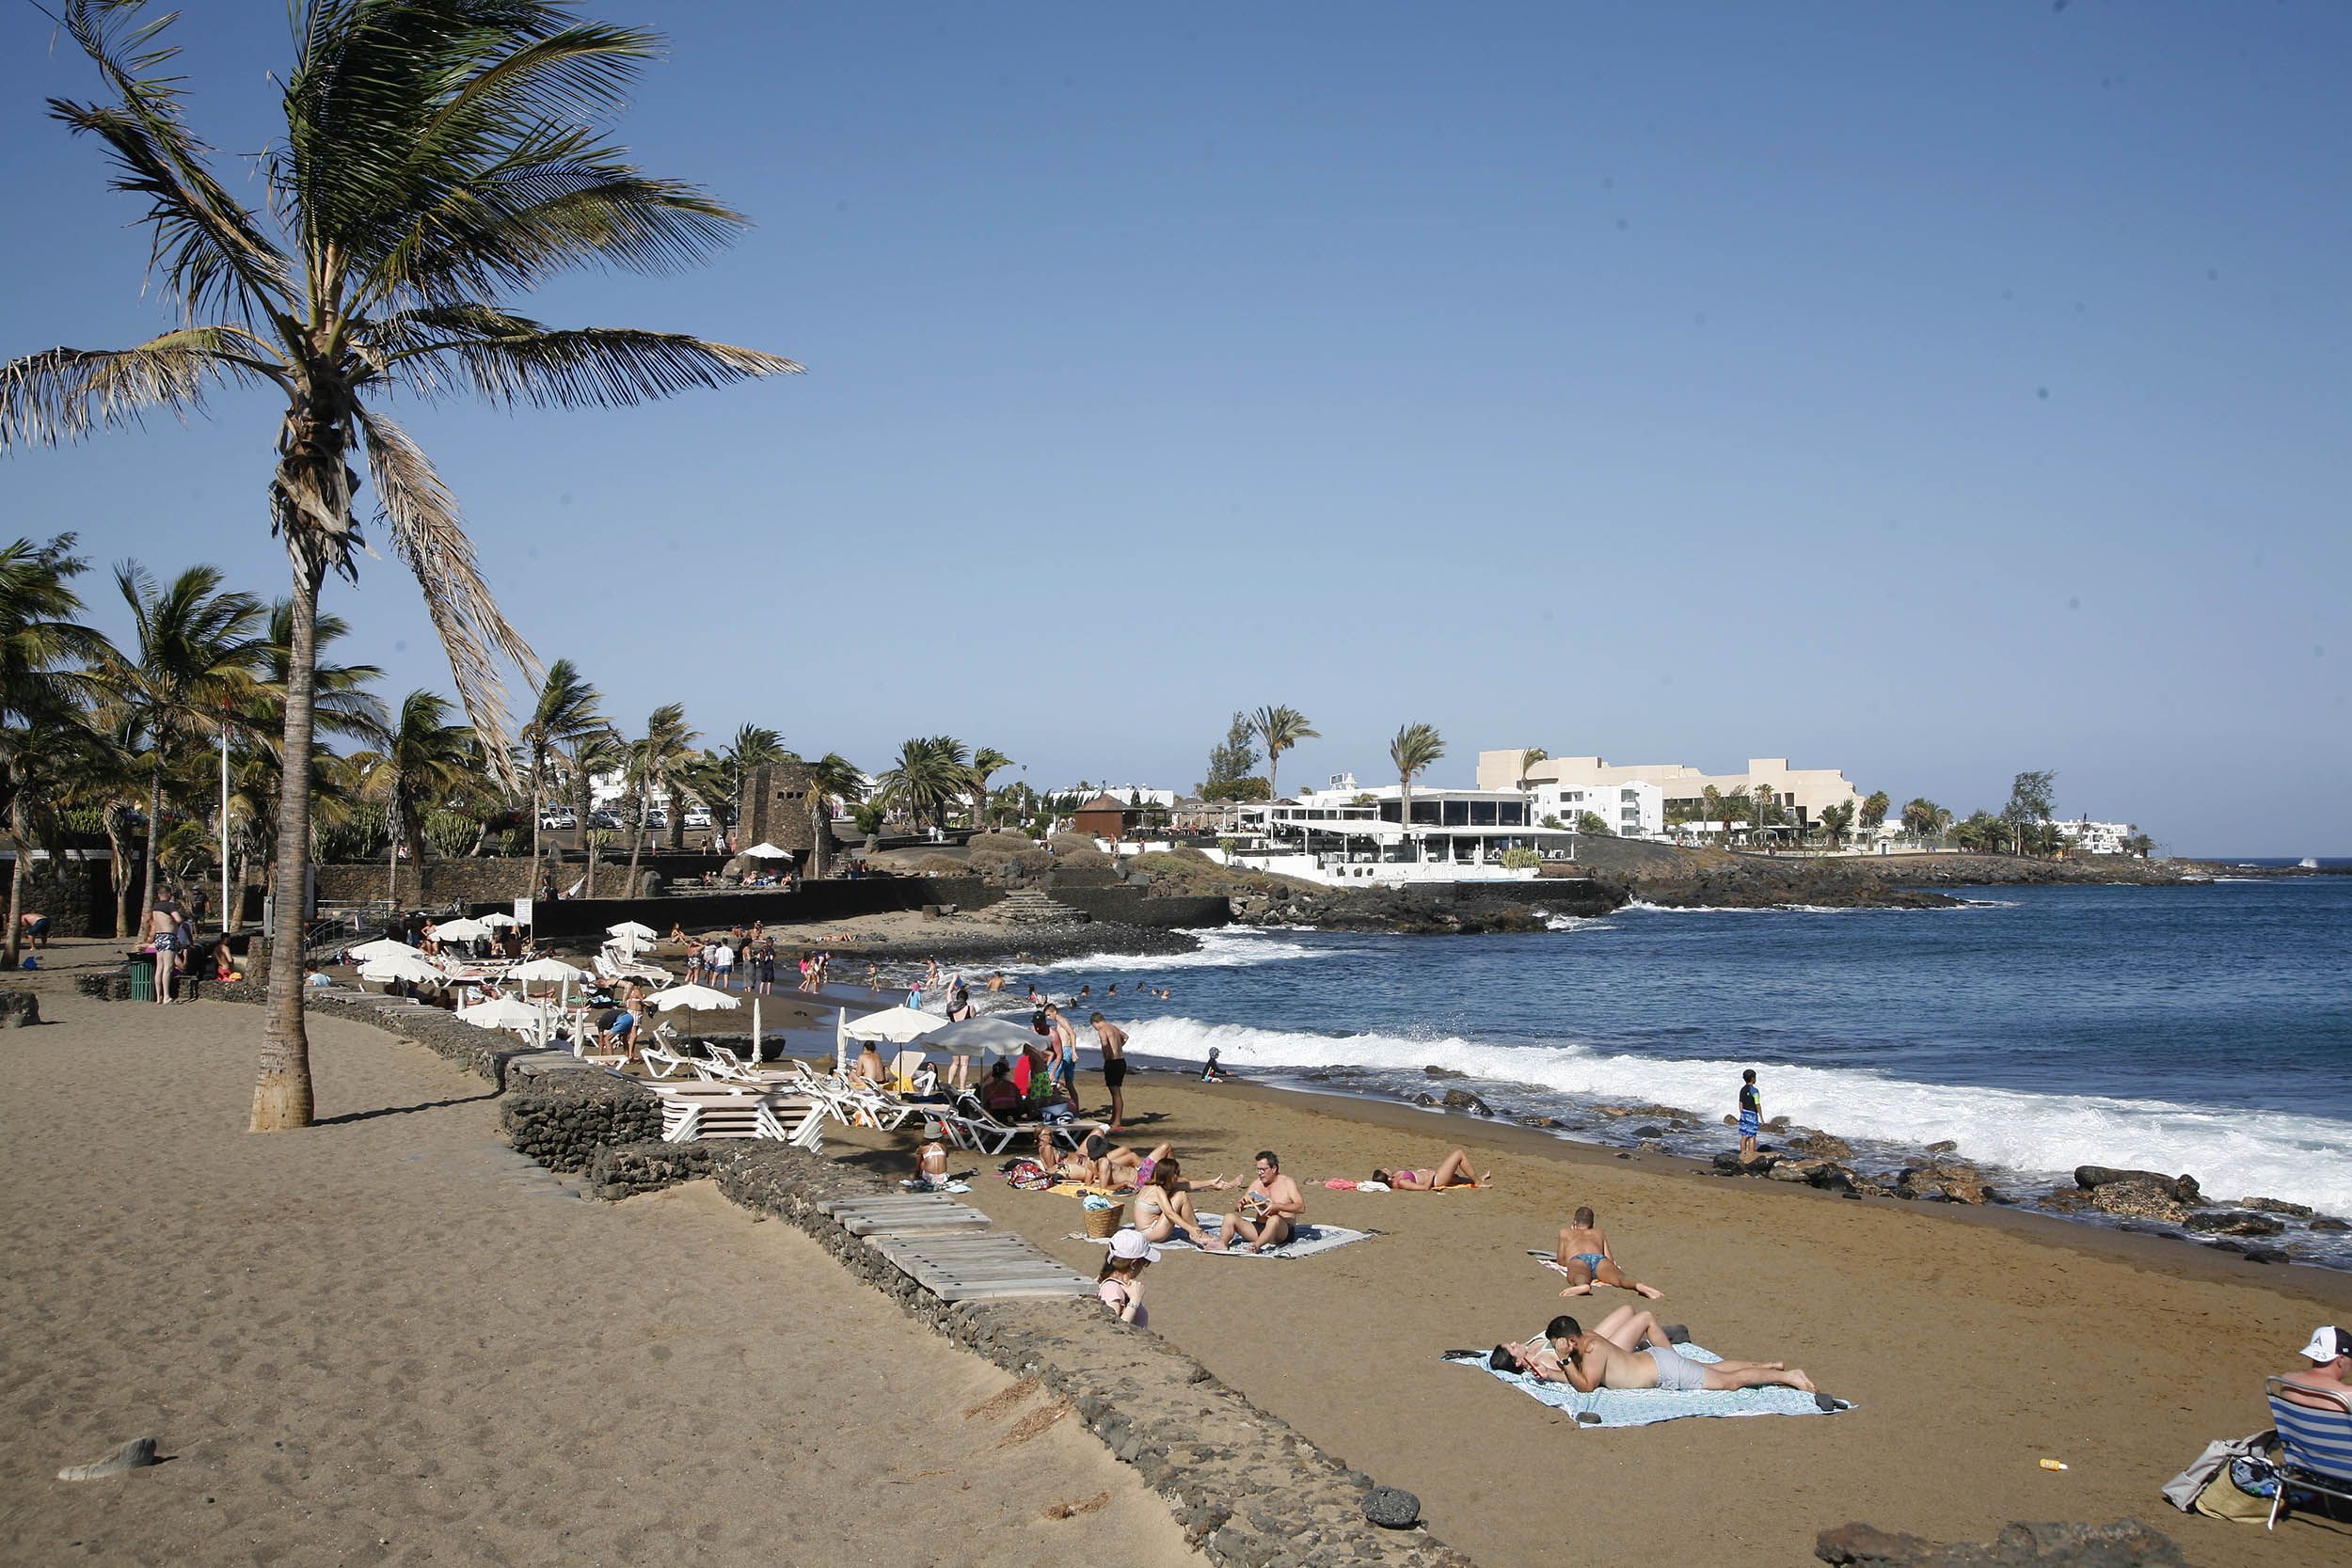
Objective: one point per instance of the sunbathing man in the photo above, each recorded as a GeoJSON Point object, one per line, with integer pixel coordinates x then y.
{"type": "Point", "coordinates": [1268, 1214]}
{"type": "Point", "coordinates": [1610, 1360]}
{"type": "Point", "coordinates": [1454, 1172]}
{"type": "Point", "coordinates": [1585, 1258]}
{"type": "Point", "coordinates": [1164, 1202]}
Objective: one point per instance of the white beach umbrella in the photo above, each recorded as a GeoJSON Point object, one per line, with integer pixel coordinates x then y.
{"type": "Point", "coordinates": [546, 969]}
{"type": "Point", "coordinates": [382, 947]}
{"type": "Point", "coordinates": [898, 1026]}
{"type": "Point", "coordinates": [630, 946]}
{"type": "Point", "coordinates": [691, 998]}
{"type": "Point", "coordinates": [629, 928]}
{"type": "Point", "coordinates": [460, 930]}
{"type": "Point", "coordinates": [500, 918]}
{"type": "Point", "coordinates": [764, 850]}
{"type": "Point", "coordinates": [501, 1012]}
{"type": "Point", "coordinates": [974, 1035]}
{"type": "Point", "coordinates": [407, 965]}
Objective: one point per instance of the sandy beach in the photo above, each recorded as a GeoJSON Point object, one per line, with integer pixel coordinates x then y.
{"type": "Point", "coordinates": [1974, 1342]}
{"type": "Point", "coordinates": [390, 1339]}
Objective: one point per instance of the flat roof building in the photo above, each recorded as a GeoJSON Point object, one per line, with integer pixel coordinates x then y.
{"type": "Point", "coordinates": [1802, 792]}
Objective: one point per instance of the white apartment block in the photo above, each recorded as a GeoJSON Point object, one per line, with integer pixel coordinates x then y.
{"type": "Point", "coordinates": [2096, 838]}
{"type": "Point", "coordinates": [1802, 792]}
{"type": "Point", "coordinates": [1636, 810]}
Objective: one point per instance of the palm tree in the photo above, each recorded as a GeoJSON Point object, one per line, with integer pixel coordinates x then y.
{"type": "Point", "coordinates": [657, 764]}
{"type": "Point", "coordinates": [1414, 749]}
{"type": "Point", "coordinates": [986, 763]}
{"type": "Point", "coordinates": [1713, 805]}
{"type": "Point", "coordinates": [1923, 819]}
{"type": "Point", "coordinates": [1835, 820]}
{"type": "Point", "coordinates": [562, 716]}
{"type": "Point", "coordinates": [41, 696]}
{"type": "Point", "coordinates": [425, 761]}
{"type": "Point", "coordinates": [830, 777]}
{"type": "Point", "coordinates": [438, 156]}
{"type": "Point", "coordinates": [1527, 759]}
{"type": "Point", "coordinates": [190, 672]}
{"type": "Point", "coordinates": [1874, 809]}
{"type": "Point", "coordinates": [1279, 730]}
{"type": "Point", "coordinates": [931, 773]}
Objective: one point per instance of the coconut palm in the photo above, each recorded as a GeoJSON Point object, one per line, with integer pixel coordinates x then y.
{"type": "Point", "coordinates": [1527, 759]}
{"type": "Point", "coordinates": [439, 157]}
{"type": "Point", "coordinates": [425, 760]}
{"type": "Point", "coordinates": [41, 649]}
{"type": "Point", "coordinates": [563, 715]}
{"type": "Point", "coordinates": [1874, 809]}
{"type": "Point", "coordinates": [1924, 820]}
{"type": "Point", "coordinates": [656, 765]}
{"type": "Point", "coordinates": [986, 763]}
{"type": "Point", "coordinates": [1279, 730]}
{"type": "Point", "coordinates": [1414, 749]}
{"type": "Point", "coordinates": [931, 773]}
{"type": "Point", "coordinates": [831, 777]}
{"type": "Point", "coordinates": [1835, 820]}
{"type": "Point", "coordinates": [189, 672]}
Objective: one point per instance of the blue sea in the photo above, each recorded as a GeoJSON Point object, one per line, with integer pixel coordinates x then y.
{"type": "Point", "coordinates": [2203, 1029]}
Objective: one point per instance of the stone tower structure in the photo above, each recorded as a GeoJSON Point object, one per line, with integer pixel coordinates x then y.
{"type": "Point", "coordinates": [774, 809]}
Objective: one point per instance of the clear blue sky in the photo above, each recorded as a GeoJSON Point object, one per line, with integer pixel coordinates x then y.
{"type": "Point", "coordinates": [1933, 391]}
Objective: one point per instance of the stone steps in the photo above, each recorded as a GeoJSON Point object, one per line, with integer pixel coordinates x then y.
{"type": "Point", "coordinates": [1027, 907]}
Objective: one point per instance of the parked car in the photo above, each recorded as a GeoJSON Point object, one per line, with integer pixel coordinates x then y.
{"type": "Point", "coordinates": [656, 817]}
{"type": "Point", "coordinates": [698, 816]}
{"type": "Point", "coordinates": [603, 819]}
{"type": "Point", "coordinates": [557, 820]}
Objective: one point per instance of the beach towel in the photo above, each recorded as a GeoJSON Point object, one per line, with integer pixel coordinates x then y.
{"type": "Point", "coordinates": [1306, 1241]}
{"type": "Point", "coordinates": [1641, 1407]}
{"type": "Point", "coordinates": [953, 1184]}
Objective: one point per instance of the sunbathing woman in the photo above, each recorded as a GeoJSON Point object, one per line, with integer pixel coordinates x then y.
{"type": "Point", "coordinates": [1454, 1172]}
{"type": "Point", "coordinates": [1607, 1360]}
{"type": "Point", "coordinates": [1585, 1258]}
{"type": "Point", "coordinates": [1164, 1202]}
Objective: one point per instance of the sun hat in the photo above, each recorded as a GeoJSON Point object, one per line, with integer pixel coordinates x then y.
{"type": "Point", "coordinates": [1130, 1243]}
{"type": "Point", "coordinates": [2327, 1344]}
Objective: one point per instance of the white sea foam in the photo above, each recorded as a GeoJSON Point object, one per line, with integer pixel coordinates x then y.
{"type": "Point", "coordinates": [1575, 923]}
{"type": "Point", "coordinates": [2230, 1151]}
{"type": "Point", "coordinates": [1221, 947]}
{"type": "Point", "coordinates": [1646, 907]}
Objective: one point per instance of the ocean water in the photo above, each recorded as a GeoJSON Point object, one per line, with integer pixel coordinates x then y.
{"type": "Point", "coordinates": [2203, 1029]}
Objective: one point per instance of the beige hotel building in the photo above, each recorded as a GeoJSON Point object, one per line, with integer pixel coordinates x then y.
{"type": "Point", "coordinates": [1803, 791]}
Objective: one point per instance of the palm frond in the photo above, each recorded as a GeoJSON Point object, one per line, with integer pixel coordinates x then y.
{"type": "Point", "coordinates": [213, 255]}
{"type": "Point", "coordinates": [512, 359]}
{"type": "Point", "coordinates": [431, 540]}
{"type": "Point", "coordinates": [63, 394]}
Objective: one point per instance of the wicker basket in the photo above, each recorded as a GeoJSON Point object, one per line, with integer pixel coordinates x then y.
{"type": "Point", "coordinates": [1103, 1223]}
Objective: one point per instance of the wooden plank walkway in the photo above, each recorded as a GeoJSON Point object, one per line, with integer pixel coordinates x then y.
{"type": "Point", "coordinates": [905, 1214]}
{"type": "Point", "coordinates": [989, 1267]}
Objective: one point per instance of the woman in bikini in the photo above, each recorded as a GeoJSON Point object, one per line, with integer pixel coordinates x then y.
{"type": "Point", "coordinates": [1164, 1202]}
{"type": "Point", "coordinates": [1454, 1172]}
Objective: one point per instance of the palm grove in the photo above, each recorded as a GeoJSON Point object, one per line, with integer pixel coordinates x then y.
{"type": "Point", "coordinates": [439, 158]}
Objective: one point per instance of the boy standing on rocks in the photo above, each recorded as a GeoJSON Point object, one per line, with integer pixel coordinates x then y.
{"type": "Point", "coordinates": [1751, 1115]}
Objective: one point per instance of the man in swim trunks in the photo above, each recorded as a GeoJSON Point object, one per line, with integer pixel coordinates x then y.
{"type": "Point", "coordinates": [1751, 1115]}
{"type": "Point", "coordinates": [1268, 1214]}
{"type": "Point", "coordinates": [1583, 1256]}
{"type": "Point", "coordinates": [1598, 1360]}
{"type": "Point", "coordinates": [1112, 1041]}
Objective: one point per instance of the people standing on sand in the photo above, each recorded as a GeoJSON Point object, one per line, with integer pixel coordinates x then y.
{"type": "Point", "coordinates": [1120, 1283]}
{"type": "Point", "coordinates": [163, 940]}
{"type": "Point", "coordinates": [1585, 1259]}
{"type": "Point", "coordinates": [1112, 1041]}
{"type": "Point", "coordinates": [1751, 1114]}
{"type": "Point", "coordinates": [721, 963]}
{"type": "Point", "coordinates": [1061, 1052]}
{"type": "Point", "coordinates": [1268, 1214]}
{"type": "Point", "coordinates": [1610, 1360]}
{"type": "Point", "coordinates": [1453, 1171]}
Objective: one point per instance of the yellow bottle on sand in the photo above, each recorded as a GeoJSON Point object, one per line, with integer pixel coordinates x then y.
{"type": "Point", "coordinates": [2053, 1464]}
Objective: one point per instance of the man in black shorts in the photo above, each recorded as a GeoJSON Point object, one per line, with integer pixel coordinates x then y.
{"type": "Point", "coordinates": [1113, 1041]}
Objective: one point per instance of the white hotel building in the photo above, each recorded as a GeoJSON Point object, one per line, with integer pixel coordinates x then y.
{"type": "Point", "coordinates": [1349, 835]}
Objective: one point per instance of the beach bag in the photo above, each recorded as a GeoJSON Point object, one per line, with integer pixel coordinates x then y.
{"type": "Point", "coordinates": [2242, 1490]}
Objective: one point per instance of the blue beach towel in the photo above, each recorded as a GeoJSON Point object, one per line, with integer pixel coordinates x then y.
{"type": "Point", "coordinates": [1641, 1407]}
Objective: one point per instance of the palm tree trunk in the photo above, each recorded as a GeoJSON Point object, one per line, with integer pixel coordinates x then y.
{"type": "Point", "coordinates": [537, 810]}
{"type": "Point", "coordinates": [19, 867]}
{"type": "Point", "coordinates": [391, 862]}
{"type": "Point", "coordinates": [154, 819]}
{"type": "Point", "coordinates": [636, 843]}
{"type": "Point", "coordinates": [282, 1092]}
{"type": "Point", "coordinates": [119, 856]}
{"type": "Point", "coordinates": [816, 833]}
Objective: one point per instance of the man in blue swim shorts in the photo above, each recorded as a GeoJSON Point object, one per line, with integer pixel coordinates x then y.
{"type": "Point", "coordinates": [1751, 1114]}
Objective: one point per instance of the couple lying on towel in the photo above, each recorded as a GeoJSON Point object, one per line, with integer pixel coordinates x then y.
{"type": "Point", "coordinates": [1628, 1350]}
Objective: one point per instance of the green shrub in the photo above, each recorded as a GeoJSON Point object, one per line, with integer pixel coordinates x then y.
{"type": "Point", "coordinates": [1520, 858]}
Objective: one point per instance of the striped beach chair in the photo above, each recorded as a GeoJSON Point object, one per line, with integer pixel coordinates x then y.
{"type": "Point", "coordinates": [2315, 1443]}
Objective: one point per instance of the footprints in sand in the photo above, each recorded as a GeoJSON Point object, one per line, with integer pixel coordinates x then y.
{"type": "Point", "coordinates": [997, 1406]}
